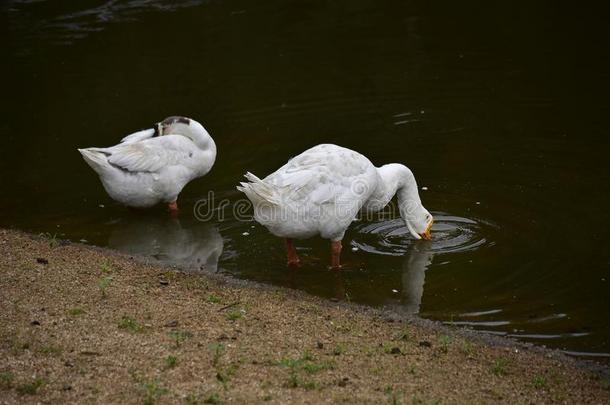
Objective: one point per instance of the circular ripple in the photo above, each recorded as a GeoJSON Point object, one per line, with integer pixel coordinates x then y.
{"type": "Point", "coordinates": [450, 234]}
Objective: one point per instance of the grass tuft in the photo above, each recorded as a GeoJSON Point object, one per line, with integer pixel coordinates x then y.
{"type": "Point", "coordinates": [180, 336]}
{"type": "Point", "coordinates": [153, 391]}
{"type": "Point", "coordinates": [215, 299]}
{"type": "Point", "coordinates": [171, 362]}
{"type": "Point", "coordinates": [103, 285]}
{"type": "Point", "coordinates": [76, 311]}
{"type": "Point", "coordinates": [213, 399]}
{"type": "Point", "coordinates": [130, 325]}
{"type": "Point", "coordinates": [500, 367]}
{"type": "Point", "coordinates": [539, 382]}
{"type": "Point", "coordinates": [31, 388]}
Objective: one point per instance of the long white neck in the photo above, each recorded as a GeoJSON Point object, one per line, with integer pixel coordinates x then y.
{"type": "Point", "coordinates": [199, 136]}
{"type": "Point", "coordinates": [395, 179]}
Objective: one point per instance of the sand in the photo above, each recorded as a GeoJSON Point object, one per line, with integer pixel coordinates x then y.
{"type": "Point", "coordinates": [86, 325]}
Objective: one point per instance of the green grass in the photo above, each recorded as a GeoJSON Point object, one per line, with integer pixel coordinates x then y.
{"type": "Point", "coordinates": [338, 350]}
{"type": "Point", "coordinates": [444, 342]}
{"type": "Point", "coordinates": [304, 364]}
{"type": "Point", "coordinates": [130, 324]}
{"type": "Point", "coordinates": [53, 241]}
{"type": "Point", "coordinates": [153, 391]}
{"type": "Point", "coordinates": [6, 379]}
{"type": "Point", "coordinates": [49, 349]}
{"type": "Point", "coordinates": [171, 362]}
{"type": "Point", "coordinates": [234, 315]}
{"type": "Point", "coordinates": [394, 397]}
{"type": "Point", "coordinates": [213, 399]}
{"type": "Point", "coordinates": [606, 383]}
{"type": "Point", "coordinates": [467, 348]}
{"type": "Point", "coordinates": [218, 350]}
{"type": "Point", "coordinates": [215, 299]}
{"type": "Point", "coordinates": [180, 336]}
{"type": "Point", "coordinates": [500, 367]}
{"type": "Point", "coordinates": [31, 388]}
{"type": "Point", "coordinates": [539, 382]}
{"type": "Point", "coordinates": [106, 268]}
{"type": "Point", "coordinates": [192, 399]}
{"type": "Point", "coordinates": [76, 311]}
{"type": "Point", "coordinates": [103, 284]}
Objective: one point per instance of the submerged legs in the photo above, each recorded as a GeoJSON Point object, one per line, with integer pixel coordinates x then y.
{"type": "Point", "coordinates": [293, 258]}
{"type": "Point", "coordinates": [173, 209]}
{"type": "Point", "coordinates": [335, 254]}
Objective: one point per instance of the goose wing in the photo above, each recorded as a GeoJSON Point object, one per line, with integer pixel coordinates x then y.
{"type": "Point", "coordinates": [153, 154]}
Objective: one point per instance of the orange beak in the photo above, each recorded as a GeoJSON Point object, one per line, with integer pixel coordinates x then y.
{"type": "Point", "coordinates": [427, 233]}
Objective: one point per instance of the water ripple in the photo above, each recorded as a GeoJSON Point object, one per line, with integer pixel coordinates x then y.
{"type": "Point", "coordinates": [450, 234]}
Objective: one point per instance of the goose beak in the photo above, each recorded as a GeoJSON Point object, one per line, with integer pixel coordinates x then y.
{"type": "Point", "coordinates": [427, 235]}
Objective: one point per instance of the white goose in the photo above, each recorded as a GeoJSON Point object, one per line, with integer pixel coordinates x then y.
{"type": "Point", "coordinates": [154, 165]}
{"type": "Point", "coordinates": [320, 192]}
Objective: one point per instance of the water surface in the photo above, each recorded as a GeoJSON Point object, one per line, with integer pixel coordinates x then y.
{"type": "Point", "coordinates": [500, 110]}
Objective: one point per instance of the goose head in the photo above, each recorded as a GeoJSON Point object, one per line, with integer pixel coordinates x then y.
{"type": "Point", "coordinates": [419, 222]}
{"type": "Point", "coordinates": [174, 125]}
{"type": "Point", "coordinates": [186, 127]}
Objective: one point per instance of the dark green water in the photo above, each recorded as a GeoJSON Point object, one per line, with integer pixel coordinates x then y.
{"type": "Point", "coordinates": [502, 112]}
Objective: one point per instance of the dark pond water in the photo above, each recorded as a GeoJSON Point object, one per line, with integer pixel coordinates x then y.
{"type": "Point", "coordinates": [502, 112]}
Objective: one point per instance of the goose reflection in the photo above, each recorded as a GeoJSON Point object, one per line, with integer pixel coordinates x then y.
{"type": "Point", "coordinates": [194, 248]}
{"type": "Point", "coordinates": [417, 260]}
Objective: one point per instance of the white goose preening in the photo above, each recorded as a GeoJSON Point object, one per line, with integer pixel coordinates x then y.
{"type": "Point", "coordinates": [320, 192]}
{"type": "Point", "coordinates": [153, 165]}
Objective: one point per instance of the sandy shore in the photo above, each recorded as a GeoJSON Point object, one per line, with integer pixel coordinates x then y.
{"type": "Point", "coordinates": [86, 325]}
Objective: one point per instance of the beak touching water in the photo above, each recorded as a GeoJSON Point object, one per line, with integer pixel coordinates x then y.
{"type": "Point", "coordinates": [427, 233]}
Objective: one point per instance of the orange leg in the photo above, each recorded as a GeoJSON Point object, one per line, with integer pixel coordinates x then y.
{"type": "Point", "coordinates": [173, 209]}
{"type": "Point", "coordinates": [335, 252]}
{"type": "Point", "coordinates": [293, 258]}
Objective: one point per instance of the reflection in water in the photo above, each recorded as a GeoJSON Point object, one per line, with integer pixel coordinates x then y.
{"type": "Point", "coordinates": [417, 259]}
{"type": "Point", "coordinates": [195, 248]}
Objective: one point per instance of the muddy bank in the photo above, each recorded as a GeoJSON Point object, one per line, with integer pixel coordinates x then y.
{"type": "Point", "coordinates": [79, 324]}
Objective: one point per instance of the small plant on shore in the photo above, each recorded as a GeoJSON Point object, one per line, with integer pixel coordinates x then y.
{"type": "Point", "coordinates": [539, 382]}
{"type": "Point", "coordinates": [606, 383]}
{"type": "Point", "coordinates": [338, 350]}
{"type": "Point", "coordinates": [444, 342]}
{"type": "Point", "coordinates": [234, 315]}
{"type": "Point", "coordinates": [31, 388]}
{"type": "Point", "coordinates": [6, 379]}
{"type": "Point", "coordinates": [153, 391]}
{"type": "Point", "coordinates": [394, 397]}
{"type": "Point", "coordinates": [53, 241]}
{"type": "Point", "coordinates": [76, 311]}
{"type": "Point", "coordinates": [180, 336]}
{"type": "Point", "coordinates": [192, 399]}
{"type": "Point", "coordinates": [499, 367]}
{"type": "Point", "coordinates": [218, 350]}
{"type": "Point", "coordinates": [49, 349]}
{"type": "Point", "coordinates": [304, 363]}
{"type": "Point", "coordinates": [103, 285]}
{"type": "Point", "coordinates": [171, 362]}
{"type": "Point", "coordinates": [106, 268]}
{"type": "Point", "coordinates": [215, 299]}
{"type": "Point", "coordinates": [224, 376]}
{"type": "Point", "coordinates": [467, 348]}
{"type": "Point", "coordinates": [130, 324]}
{"type": "Point", "coordinates": [213, 399]}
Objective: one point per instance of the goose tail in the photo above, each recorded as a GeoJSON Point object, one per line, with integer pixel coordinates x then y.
{"type": "Point", "coordinates": [258, 191]}
{"type": "Point", "coordinates": [97, 159]}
